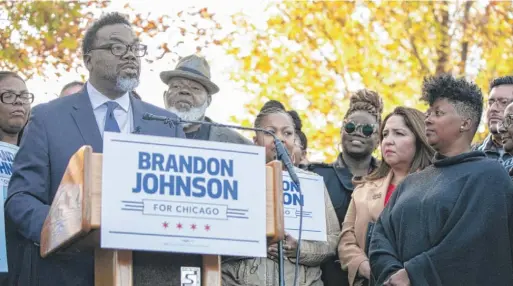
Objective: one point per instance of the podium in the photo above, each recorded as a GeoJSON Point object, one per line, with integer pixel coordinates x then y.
{"type": "Point", "coordinates": [74, 220]}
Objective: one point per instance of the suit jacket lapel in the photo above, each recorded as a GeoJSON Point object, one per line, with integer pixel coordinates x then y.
{"type": "Point", "coordinates": [378, 194]}
{"type": "Point", "coordinates": [140, 126]}
{"type": "Point", "coordinates": [82, 112]}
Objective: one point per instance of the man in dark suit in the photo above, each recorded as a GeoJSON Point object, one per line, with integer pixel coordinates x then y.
{"type": "Point", "coordinates": [57, 129]}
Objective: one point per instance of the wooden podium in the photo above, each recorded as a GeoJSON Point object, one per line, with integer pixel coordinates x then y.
{"type": "Point", "coordinates": [74, 218]}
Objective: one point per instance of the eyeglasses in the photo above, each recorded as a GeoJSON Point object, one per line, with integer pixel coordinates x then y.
{"type": "Point", "coordinates": [9, 97]}
{"type": "Point", "coordinates": [120, 50]}
{"type": "Point", "coordinates": [506, 123]}
{"type": "Point", "coordinates": [366, 129]}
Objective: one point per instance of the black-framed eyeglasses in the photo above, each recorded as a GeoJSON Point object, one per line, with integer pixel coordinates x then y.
{"type": "Point", "coordinates": [366, 129]}
{"type": "Point", "coordinates": [120, 50]}
{"type": "Point", "coordinates": [9, 97]}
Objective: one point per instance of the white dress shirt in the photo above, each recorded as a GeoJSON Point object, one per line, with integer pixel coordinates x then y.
{"type": "Point", "coordinates": [122, 113]}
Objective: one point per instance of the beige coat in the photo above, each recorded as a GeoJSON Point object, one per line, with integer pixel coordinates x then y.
{"type": "Point", "coordinates": [264, 271]}
{"type": "Point", "coordinates": [367, 202]}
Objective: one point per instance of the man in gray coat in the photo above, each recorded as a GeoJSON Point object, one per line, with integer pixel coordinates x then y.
{"type": "Point", "coordinates": [189, 94]}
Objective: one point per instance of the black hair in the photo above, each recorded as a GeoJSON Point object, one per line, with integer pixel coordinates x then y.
{"type": "Point", "coordinates": [270, 107]}
{"type": "Point", "coordinates": [501, 81]}
{"type": "Point", "coordinates": [298, 126]}
{"type": "Point", "coordinates": [71, 84]}
{"type": "Point", "coordinates": [466, 96]}
{"type": "Point", "coordinates": [105, 20]}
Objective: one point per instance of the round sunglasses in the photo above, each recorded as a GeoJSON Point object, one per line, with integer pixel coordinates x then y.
{"type": "Point", "coordinates": [366, 129]}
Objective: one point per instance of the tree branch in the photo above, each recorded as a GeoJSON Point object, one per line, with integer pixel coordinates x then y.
{"type": "Point", "coordinates": [464, 44]}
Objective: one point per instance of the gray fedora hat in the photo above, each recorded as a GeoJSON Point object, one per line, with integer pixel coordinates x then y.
{"type": "Point", "coordinates": [192, 67]}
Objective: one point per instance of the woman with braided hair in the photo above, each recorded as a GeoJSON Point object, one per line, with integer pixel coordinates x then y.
{"type": "Point", "coordinates": [359, 138]}
{"type": "Point", "coordinates": [264, 271]}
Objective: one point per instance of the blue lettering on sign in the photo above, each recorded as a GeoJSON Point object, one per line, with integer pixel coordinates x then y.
{"type": "Point", "coordinates": [291, 195]}
{"type": "Point", "coordinates": [6, 159]}
{"type": "Point", "coordinates": [188, 177]}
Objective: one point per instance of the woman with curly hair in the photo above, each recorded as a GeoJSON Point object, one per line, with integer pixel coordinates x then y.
{"type": "Point", "coordinates": [451, 223]}
{"type": "Point", "coordinates": [359, 138]}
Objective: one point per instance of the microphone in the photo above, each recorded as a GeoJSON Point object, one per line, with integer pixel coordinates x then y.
{"type": "Point", "coordinates": [282, 155]}
{"type": "Point", "coordinates": [281, 152]}
{"type": "Point", "coordinates": [149, 116]}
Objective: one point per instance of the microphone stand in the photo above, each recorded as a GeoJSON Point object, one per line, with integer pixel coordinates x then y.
{"type": "Point", "coordinates": [281, 154]}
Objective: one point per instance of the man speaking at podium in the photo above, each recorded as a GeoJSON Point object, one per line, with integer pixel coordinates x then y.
{"type": "Point", "coordinates": [57, 129]}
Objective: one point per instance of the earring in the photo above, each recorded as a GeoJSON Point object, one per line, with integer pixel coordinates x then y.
{"type": "Point", "coordinates": [461, 128]}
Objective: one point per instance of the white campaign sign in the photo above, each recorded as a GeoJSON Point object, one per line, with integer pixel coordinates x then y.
{"type": "Point", "coordinates": [7, 154]}
{"type": "Point", "coordinates": [314, 208]}
{"type": "Point", "coordinates": [181, 195]}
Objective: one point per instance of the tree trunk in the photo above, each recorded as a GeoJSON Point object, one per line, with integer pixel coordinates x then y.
{"type": "Point", "coordinates": [443, 49]}
{"type": "Point", "coordinates": [464, 44]}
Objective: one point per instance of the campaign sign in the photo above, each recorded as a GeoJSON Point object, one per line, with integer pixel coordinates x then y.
{"type": "Point", "coordinates": [7, 153]}
{"type": "Point", "coordinates": [314, 209]}
{"type": "Point", "coordinates": [181, 195]}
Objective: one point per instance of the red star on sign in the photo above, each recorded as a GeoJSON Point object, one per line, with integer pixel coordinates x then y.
{"type": "Point", "coordinates": [207, 227]}
{"type": "Point", "coordinates": [179, 225]}
{"type": "Point", "coordinates": [193, 226]}
{"type": "Point", "coordinates": [165, 224]}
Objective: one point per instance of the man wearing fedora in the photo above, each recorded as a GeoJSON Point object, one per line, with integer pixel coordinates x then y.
{"type": "Point", "coordinates": [189, 95]}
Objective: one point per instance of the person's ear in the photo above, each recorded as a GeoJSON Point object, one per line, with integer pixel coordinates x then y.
{"type": "Point", "coordinates": [466, 125]}
{"type": "Point", "coordinates": [88, 62]}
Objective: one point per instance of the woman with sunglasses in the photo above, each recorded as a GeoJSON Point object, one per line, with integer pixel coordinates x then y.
{"type": "Point", "coordinates": [264, 271]}
{"type": "Point", "coordinates": [359, 139]}
{"type": "Point", "coordinates": [404, 150]}
{"type": "Point", "coordinates": [451, 223]}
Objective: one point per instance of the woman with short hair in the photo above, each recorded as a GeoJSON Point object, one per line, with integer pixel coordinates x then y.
{"type": "Point", "coordinates": [450, 224]}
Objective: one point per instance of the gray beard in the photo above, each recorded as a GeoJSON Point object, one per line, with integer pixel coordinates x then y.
{"type": "Point", "coordinates": [193, 114]}
{"type": "Point", "coordinates": [126, 84]}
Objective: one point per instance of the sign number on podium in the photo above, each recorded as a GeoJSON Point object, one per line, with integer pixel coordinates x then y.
{"type": "Point", "coordinates": [190, 276]}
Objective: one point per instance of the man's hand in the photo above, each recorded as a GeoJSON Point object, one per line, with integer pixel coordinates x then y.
{"type": "Point", "coordinates": [400, 278]}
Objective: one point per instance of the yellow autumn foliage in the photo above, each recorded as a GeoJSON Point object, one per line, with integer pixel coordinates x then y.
{"type": "Point", "coordinates": [313, 54]}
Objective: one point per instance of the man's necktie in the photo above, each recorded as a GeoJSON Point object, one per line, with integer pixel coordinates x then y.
{"type": "Point", "coordinates": [111, 125]}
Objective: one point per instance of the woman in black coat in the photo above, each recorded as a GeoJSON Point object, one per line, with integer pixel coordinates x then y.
{"type": "Point", "coordinates": [449, 224]}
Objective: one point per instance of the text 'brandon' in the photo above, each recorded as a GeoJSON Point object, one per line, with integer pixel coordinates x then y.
{"type": "Point", "coordinates": [191, 176]}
